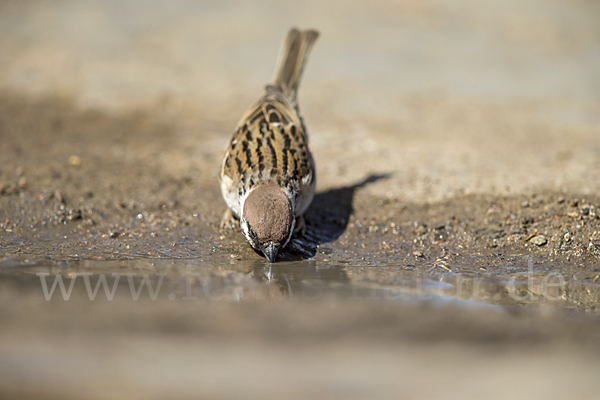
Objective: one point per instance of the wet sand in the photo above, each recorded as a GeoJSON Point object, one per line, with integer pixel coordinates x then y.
{"type": "Point", "coordinates": [451, 250]}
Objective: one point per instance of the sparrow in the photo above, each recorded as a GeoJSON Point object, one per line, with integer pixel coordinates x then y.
{"type": "Point", "coordinates": [267, 176]}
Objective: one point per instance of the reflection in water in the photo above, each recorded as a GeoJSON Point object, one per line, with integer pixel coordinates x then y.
{"type": "Point", "coordinates": [246, 280]}
{"type": "Point", "coordinates": [301, 278]}
{"type": "Point", "coordinates": [313, 279]}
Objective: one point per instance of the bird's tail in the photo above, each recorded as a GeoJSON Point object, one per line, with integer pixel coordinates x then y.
{"type": "Point", "coordinates": [292, 58]}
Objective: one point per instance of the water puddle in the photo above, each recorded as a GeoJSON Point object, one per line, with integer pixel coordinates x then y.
{"type": "Point", "coordinates": [233, 279]}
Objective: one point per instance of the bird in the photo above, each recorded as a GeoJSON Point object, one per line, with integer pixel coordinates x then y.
{"type": "Point", "coordinates": [268, 175]}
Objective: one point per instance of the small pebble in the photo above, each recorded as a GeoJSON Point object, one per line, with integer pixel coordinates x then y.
{"type": "Point", "coordinates": [539, 240]}
{"type": "Point", "coordinates": [75, 161]}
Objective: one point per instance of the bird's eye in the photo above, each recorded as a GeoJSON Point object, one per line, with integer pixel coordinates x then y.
{"type": "Point", "coordinates": [251, 235]}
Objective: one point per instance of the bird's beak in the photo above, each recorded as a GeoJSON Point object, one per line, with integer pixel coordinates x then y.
{"type": "Point", "coordinates": [270, 251]}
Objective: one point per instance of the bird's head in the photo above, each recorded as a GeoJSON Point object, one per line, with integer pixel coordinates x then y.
{"type": "Point", "coordinates": [267, 219]}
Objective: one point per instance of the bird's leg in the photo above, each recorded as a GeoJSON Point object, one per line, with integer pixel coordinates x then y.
{"type": "Point", "coordinates": [300, 225]}
{"type": "Point", "coordinates": [228, 220]}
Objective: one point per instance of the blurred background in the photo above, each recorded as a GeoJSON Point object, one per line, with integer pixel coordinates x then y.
{"type": "Point", "coordinates": [451, 96]}
{"type": "Point", "coordinates": [114, 116]}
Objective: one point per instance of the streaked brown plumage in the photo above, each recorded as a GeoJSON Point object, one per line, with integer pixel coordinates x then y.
{"type": "Point", "coordinates": [268, 169]}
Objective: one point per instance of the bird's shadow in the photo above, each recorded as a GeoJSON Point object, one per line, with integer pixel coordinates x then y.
{"type": "Point", "coordinates": [326, 219]}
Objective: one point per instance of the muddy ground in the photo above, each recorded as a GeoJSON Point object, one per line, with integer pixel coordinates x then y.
{"type": "Point", "coordinates": [451, 249]}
